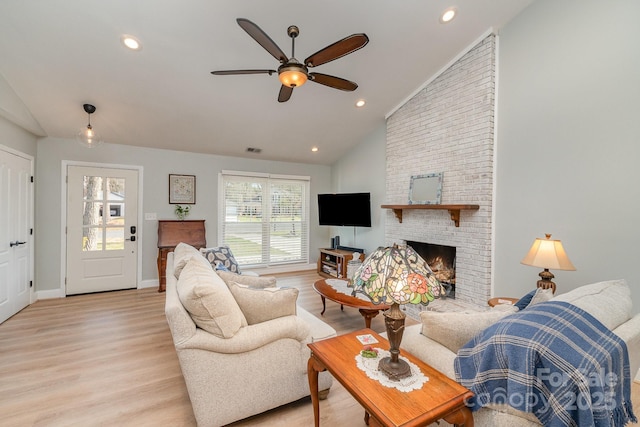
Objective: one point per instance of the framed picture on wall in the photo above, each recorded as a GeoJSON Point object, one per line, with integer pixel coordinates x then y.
{"type": "Point", "coordinates": [182, 189]}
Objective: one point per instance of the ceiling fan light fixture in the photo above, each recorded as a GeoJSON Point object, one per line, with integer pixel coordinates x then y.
{"type": "Point", "coordinates": [292, 75]}
{"type": "Point", "coordinates": [88, 137]}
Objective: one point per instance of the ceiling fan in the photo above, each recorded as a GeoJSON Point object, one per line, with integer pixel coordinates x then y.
{"type": "Point", "coordinates": [293, 73]}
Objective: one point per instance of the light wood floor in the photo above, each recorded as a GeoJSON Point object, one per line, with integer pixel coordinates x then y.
{"type": "Point", "coordinates": [108, 359]}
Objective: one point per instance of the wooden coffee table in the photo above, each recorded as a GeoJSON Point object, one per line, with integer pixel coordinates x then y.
{"type": "Point", "coordinates": [439, 398]}
{"type": "Point", "coordinates": [367, 309]}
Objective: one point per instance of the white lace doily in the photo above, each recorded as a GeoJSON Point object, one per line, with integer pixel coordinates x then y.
{"type": "Point", "coordinates": [370, 367]}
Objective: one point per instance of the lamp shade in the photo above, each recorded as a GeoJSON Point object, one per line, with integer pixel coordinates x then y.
{"type": "Point", "coordinates": [292, 76]}
{"type": "Point", "coordinates": [88, 137]}
{"type": "Point", "coordinates": [396, 274]}
{"type": "Point", "coordinates": [547, 253]}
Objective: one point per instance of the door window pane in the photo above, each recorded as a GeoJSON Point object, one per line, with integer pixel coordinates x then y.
{"type": "Point", "coordinates": [92, 188]}
{"type": "Point", "coordinates": [92, 215]}
{"type": "Point", "coordinates": [115, 214]}
{"type": "Point", "coordinates": [92, 239]}
{"type": "Point", "coordinates": [115, 238]}
{"type": "Point", "coordinates": [116, 188]}
{"type": "Point", "coordinates": [103, 216]}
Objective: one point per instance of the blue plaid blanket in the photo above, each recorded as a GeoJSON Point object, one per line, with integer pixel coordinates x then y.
{"type": "Point", "coordinates": [554, 360]}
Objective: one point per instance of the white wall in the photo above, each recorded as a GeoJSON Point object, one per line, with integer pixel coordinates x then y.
{"type": "Point", "coordinates": [13, 109]}
{"type": "Point", "coordinates": [362, 169]}
{"type": "Point", "coordinates": [157, 164]}
{"type": "Point", "coordinates": [15, 137]}
{"type": "Point", "coordinates": [569, 142]}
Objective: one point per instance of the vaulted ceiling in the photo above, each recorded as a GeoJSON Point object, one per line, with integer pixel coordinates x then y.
{"type": "Point", "coordinates": [58, 55]}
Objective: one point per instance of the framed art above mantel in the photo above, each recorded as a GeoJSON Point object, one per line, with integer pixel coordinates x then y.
{"type": "Point", "coordinates": [426, 189]}
{"type": "Point", "coordinates": [182, 189]}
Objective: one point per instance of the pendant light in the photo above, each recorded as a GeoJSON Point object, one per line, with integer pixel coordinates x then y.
{"type": "Point", "coordinates": [87, 136]}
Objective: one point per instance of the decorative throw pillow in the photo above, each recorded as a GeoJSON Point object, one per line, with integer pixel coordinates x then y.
{"type": "Point", "coordinates": [220, 267]}
{"type": "Point", "coordinates": [208, 300]}
{"type": "Point", "coordinates": [251, 281]}
{"type": "Point", "coordinates": [221, 255]}
{"type": "Point", "coordinates": [609, 301]}
{"type": "Point", "coordinates": [541, 295]}
{"type": "Point", "coordinates": [181, 255]}
{"type": "Point", "coordinates": [525, 300]}
{"type": "Point", "coordinates": [260, 305]}
{"type": "Point", "coordinates": [455, 329]}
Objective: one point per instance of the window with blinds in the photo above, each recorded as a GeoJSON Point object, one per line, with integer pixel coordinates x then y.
{"type": "Point", "coordinates": [264, 218]}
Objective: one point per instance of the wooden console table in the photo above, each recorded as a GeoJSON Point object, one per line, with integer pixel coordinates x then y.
{"type": "Point", "coordinates": [172, 232]}
{"type": "Point", "coordinates": [454, 210]}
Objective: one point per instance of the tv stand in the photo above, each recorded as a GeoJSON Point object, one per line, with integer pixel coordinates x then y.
{"type": "Point", "coordinates": [332, 263]}
{"type": "Point", "coordinates": [347, 248]}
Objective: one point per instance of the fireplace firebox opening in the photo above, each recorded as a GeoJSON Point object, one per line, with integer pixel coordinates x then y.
{"type": "Point", "coordinates": [442, 260]}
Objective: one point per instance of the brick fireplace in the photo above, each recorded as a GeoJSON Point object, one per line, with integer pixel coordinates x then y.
{"type": "Point", "coordinates": [449, 127]}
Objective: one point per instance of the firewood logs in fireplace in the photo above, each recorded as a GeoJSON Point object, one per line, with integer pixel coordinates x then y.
{"type": "Point", "coordinates": [442, 272]}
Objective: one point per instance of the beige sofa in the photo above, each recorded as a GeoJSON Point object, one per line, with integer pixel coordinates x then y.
{"type": "Point", "coordinates": [439, 335]}
{"type": "Point", "coordinates": [237, 366]}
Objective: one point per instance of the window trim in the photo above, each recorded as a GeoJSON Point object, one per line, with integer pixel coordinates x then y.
{"type": "Point", "coordinates": [305, 208]}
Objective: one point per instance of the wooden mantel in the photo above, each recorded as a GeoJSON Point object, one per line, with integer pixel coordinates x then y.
{"type": "Point", "coordinates": [454, 210]}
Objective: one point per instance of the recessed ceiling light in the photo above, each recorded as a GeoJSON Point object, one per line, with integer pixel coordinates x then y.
{"type": "Point", "coordinates": [448, 15]}
{"type": "Point", "coordinates": [314, 149]}
{"type": "Point", "coordinates": [131, 42]}
{"type": "Point", "coordinates": [360, 103]}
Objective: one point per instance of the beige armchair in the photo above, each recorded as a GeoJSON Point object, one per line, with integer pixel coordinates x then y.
{"type": "Point", "coordinates": [231, 375]}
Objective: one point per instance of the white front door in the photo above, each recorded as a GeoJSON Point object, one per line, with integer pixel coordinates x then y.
{"type": "Point", "coordinates": [16, 195]}
{"type": "Point", "coordinates": [102, 215]}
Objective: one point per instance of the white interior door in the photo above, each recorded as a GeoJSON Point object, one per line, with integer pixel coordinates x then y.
{"type": "Point", "coordinates": [16, 195]}
{"type": "Point", "coordinates": [102, 214]}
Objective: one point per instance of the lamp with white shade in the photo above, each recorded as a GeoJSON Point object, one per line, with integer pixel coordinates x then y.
{"type": "Point", "coordinates": [548, 254]}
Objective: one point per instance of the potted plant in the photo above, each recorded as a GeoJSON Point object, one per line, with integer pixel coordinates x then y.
{"type": "Point", "coordinates": [182, 212]}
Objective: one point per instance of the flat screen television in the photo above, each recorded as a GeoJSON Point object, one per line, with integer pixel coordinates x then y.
{"type": "Point", "coordinates": [345, 209]}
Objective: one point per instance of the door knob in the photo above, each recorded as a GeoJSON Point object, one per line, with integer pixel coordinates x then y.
{"type": "Point", "coordinates": [16, 243]}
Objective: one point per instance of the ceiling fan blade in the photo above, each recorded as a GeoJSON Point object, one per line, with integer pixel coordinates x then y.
{"type": "Point", "coordinates": [263, 39]}
{"type": "Point", "coordinates": [285, 93]}
{"type": "Point", "coordinates": [233, 72]}
{"type": "Point", "coordinates": [334, 82]}
{"type": "Point", "coordinates": [337, 50]}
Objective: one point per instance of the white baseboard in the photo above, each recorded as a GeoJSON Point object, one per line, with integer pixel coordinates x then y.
{"type": "Point", "coordinates": [153, 283]}
{"type": "Point", "coordinates": [637, 376]}
{"type": "Point", "coordinates": [50, 294]}
{"type": "Point", "coordinates": [59, 293]}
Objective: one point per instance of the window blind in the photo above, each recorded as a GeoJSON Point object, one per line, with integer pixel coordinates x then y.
{"type": "Point", "coordinates": [264, 219]}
